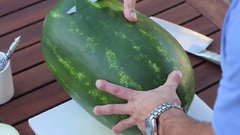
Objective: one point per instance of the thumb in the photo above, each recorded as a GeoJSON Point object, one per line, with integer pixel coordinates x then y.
{"type": "Point", "coordinates": [129, 10]}
{"type": "Point", "coordinates": [174, 79]}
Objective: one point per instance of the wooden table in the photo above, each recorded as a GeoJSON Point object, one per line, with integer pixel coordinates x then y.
{"type": "Point", "coordinates": [36, 90]}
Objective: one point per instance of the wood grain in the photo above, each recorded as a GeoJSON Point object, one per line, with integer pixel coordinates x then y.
{"type": "Point", "coordinates": [151, 7]}
{"type": "Point", "coordinates": [25, 17]}
{"type": "Point", "coordinates": [35, 87]}
{"type": "Point", "coordinates": [32, 79]}
{"type": "Point", "coordinates": [24, 129]}
{"type": "Point", "coordinates": [8, 6]}
{"type": "Point", "coordinates": [206, 75]}
{"type": "Point", "coordinates": [180, 14]}
{"type": "Point", "coordinates": [29, 35]}
{"type": "Point", "coordinates": [32, 104]}
{"type": "Point", "coordinates": [26, 58]}
{"type": "Point", "coordinates": [214, 10]}
{"type": "Point", "coordinates": [209, 96]}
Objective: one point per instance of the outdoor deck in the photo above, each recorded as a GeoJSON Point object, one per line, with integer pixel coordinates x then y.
{"type": "Point", "coordinates": [36, 90]}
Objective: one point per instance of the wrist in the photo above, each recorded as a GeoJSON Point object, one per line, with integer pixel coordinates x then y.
{"type": "Point", "coordinates": [152, 122]}
{"type": "Point", "coordinates": [168, 117]}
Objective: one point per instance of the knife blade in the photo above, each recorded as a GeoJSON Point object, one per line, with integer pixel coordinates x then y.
{"type": "Point", "coordinates": [191, 41]}
{"type": "Point", "coordinates": [74, 9]}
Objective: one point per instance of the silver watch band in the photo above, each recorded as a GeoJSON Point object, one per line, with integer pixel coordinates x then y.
{"type": "Point", "coordinates": [151, 122]}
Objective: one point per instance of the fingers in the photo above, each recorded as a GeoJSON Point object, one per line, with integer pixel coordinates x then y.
{"type": "Point", "coordinates": [129, 10]}
{"type": "Point", "coordinates": [116, 90]}
{"type": "Point", "coordinates": [123, 125]}
{"type": "Point", "coordinates": [174, 79]}
{"type": "Point", "coordinates": [111, 109]}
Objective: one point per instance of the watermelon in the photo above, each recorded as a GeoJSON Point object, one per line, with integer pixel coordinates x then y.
{"type": "Point", "coordinates": [97, 42]}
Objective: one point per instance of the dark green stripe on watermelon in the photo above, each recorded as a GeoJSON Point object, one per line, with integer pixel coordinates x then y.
{"type": "Point", "coordinates": [98, 42]}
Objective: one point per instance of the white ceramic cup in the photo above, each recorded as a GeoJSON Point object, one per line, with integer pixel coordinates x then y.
{"type": "Point", "coordinates": [6, 83]}
{"type": "Point", "coordinates": [6, 129]}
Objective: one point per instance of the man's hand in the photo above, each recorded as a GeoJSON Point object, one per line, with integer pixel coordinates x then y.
{"type": "Point", "coordinates": [140, 103]}
{"type": "Point", "coordinates": [129, 10]}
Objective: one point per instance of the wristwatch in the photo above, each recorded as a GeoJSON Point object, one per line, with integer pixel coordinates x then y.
{"type": "Point", "coordinates": [151, 121]}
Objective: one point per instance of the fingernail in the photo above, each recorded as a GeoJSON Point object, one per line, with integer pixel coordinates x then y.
{"type": "Point", "coordinates": [95, 110]}
{"type": "Point", "coordinates": [115, 132]}
{"type": "Point", "coordinates": [133, 15]}
{"type": "Point", "coordinates": [98, 83]}
{"type": "Point", "coordinates": [179, 73]}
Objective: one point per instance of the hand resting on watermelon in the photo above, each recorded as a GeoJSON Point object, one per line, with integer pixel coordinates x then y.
{"type": "Point", "coordinates": [129, 10]}
{"type": "Point", "coordinates": [140, 103]}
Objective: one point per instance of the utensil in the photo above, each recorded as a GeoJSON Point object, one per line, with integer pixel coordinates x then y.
{"type": "Point", "coordinates": [4, 60]}
{"type": "Point", "coordinates": [191, 41]}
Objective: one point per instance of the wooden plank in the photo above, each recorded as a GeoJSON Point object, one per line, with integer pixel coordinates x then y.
{"type": "Point", "coordinates": [26, 16]}
{"type": "Point", "coordinates": [8, 6]}
{"type": "Point", "coordinates": [202, 25]}
{"type": "Point", "coordinates": [151, 7]}
{"type": "Point", "coordinates": [32, 104]}
{"type": "Point", "coordinates": [180, 14]}
{"type": "Point", "coordinates": [36, 57]}
{"type": "Point", "coordinates": [209, 95]}
{"type": "Point", "coordinates": [30, 35]}
{"type": "Point", "coordinates": [24, 129]}
{"type": "Point", "coordinates": [32, 96]}
{"type": "Point", "coordinates": [20, 65]}
{"type": "Point", "coordinates": [206, 75]}
{"type": "Point", "coordinates": [184, 13]}
{"type": "Point", "coordinates": [215, 46]}
{"type": "Point", "coordinates": [214, 10]}
{"type": "Point", "coordinates": [227, 1]}
{"type": "Point", "coordinates": [26, 58]}
{"type": "Point", "coordinates": [195, 60]}
{"type": "Point", "coordinates": [32, 79]}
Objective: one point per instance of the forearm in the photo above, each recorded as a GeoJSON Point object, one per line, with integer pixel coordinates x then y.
{"type": "Point", "coordinates": [175, 122]}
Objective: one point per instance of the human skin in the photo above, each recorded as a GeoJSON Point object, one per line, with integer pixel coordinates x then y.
{"type": "Point", "coordinates": [129, 10]}
{"type": "Point", "coordinates": [141, 103]}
